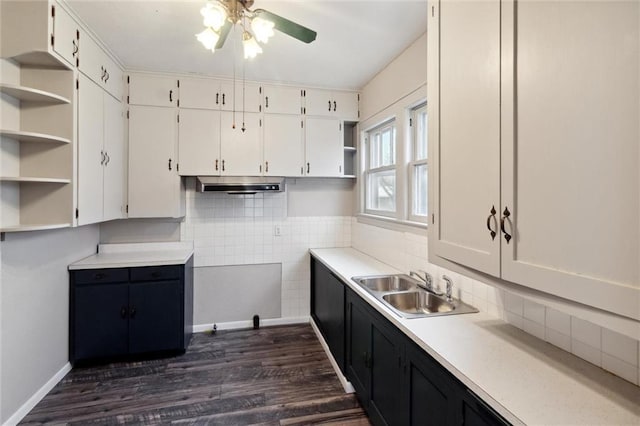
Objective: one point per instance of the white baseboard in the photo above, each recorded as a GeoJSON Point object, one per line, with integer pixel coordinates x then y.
{"type": "Point", "coordinates": [37, 397]}
{"type": "Point", "coordinates": [236, 325]}
{"type": "Point", "coordinates": [346, 384]}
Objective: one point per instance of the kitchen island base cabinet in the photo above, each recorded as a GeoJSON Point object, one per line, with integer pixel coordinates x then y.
{"type": "Point", "coordinates": [120, 312]}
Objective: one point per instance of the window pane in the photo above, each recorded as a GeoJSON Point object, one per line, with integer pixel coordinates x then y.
{"type": "Point", "coordinates": [421, 134]}
{"type": "Point", "coordinates": [381, 194]}
{"type": "Point", "coordinates": [420, 190]}
{"type": "Point", "coordinates": [388, 147]}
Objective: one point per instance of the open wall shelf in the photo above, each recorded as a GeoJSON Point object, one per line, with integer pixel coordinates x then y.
{"type": "Point", "coordinates": [22, 136]}
{"type": "Point", "coordinates": [30, 94]}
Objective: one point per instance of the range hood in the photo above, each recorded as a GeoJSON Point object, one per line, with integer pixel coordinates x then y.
{"type": "Point", "coordinates": [240, 185]}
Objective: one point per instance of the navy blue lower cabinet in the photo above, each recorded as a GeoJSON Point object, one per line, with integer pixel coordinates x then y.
{"type": "Point", "coordinates": [123, 312]}
{"type": "Point", "coordinates": [327, 308]}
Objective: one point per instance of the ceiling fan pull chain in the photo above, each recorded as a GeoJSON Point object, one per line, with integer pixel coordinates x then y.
{"type": "Point", "coordinates": [244, 86]}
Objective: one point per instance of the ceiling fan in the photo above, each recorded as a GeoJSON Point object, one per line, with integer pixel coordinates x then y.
{"type": "Point", "coordinates": [221, 15]}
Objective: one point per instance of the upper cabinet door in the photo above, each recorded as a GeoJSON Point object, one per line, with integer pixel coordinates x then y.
{"type": "Point", "coordinates": [199, 142]}
{"type": "Point", "coordinates": [200, 93]}
{"type": "Point", "coordinates": [283, 145]}
{"type": "Point", "coordinates": [248, 97]}
{"type": "Point", "coordinates": [91, 59]}
{"type": "Point", "coordinates": [153, 90]}
{"type": "Point", "coordinates": [66, 35]}
{"type": "Point", "coordinates": [282, 100]}
{"type": "Point", "coordinates": [319, 102]}
{"type": "Point", "coordinates": [464, 100]}
{"type": "Point", "coordinates": [240, 151]}
{"type": "Point", "coordinates": [115, 161]}
{"type": "Point", "coordinates": [347, 105]}
{"type": "Point", "coordinates": [570, 150]}
{"type": "Point", "coordinates": [324, 147]}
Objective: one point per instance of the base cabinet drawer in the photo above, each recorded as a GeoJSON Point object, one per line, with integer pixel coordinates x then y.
{"type": "Point", "coordinates": [120, 312]}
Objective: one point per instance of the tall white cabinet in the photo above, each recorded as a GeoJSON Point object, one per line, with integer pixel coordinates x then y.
{"type": "Point", "coordinates": [155, 188]}
{"type": "Point", "coordinates": [535, 136]}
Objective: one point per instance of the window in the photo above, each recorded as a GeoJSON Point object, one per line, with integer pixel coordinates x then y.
{"type": "Point", "coordinates": [418, 165]}
{"type": "Point", "coordinates": [380, 170]}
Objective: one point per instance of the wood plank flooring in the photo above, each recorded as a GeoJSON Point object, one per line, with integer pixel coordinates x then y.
{"type": "Point", "coordinates": [272, 376]}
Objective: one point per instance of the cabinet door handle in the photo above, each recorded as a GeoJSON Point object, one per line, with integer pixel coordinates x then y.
{"type": "Point", "coordinates": [107, 76]}
{"type": "Point", "coordinates": [99, 276]}
{"type": "Point", "coordinates": [217, 98]}
{"type": "Point", "coordinates": [335, 105]}
{"type": "Point", "coordinates": [492, 232]}
{"type": "Point", "coordinates": [223, 101]}
{"type": "Point", "coordinates": [169, 163]}
{"type": "Point", "coordinates": [505, 216]}
{"type": "Point", "coordinates": [216, 165]}
{"type": "Point", "coordinates": [123, 312]}
{"type": "Point", "coordinates": [107, 159]}
{"type": "Point", "coordinates": [156, 274]}
{"type": "Point", "coordinates": [75, 48]}
{"type": "Point", "coordinates": [132, 312]}
{"type": "Point", "coordinates": [266, 167]}
{"type": "Point", "coordinates": [102, 158]}
{"type": "Point", "coordinates": [308, 167]}
{"type": "Point", "coordinates": [266, 102]}
{"type": "Point", "coordinates": [223, 165]}
{"type": "Point", "coordinates": [329, 106]}
{"type": "Point", "coordinates": [170, 95]}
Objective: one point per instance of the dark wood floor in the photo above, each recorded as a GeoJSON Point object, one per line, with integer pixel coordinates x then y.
{"type": "Point", "coordinates": [271, 376]}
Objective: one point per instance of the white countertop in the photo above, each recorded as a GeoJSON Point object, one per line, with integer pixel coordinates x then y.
{"type": "Point", "coordinates": [525, 379]}
{"type": "Point", "coordinates": [133, 255]}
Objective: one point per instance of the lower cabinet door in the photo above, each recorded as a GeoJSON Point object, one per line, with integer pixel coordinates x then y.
{"type": "Point", "coordinates": [386, 387]}
{"type": "Point", "coordinates": [476, 412]}
{"type": "Point", "coordinates": [100, 323]}
{"type": "Point", "coordinates": [358, 348]}
{"type": "Point", "coordinates": [155, 316]}
{"type": "Point", "coordinates": [431, 399]}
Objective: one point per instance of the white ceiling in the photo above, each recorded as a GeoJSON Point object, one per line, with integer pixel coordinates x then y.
{"type": "Point", "coordinates": [356, 39]}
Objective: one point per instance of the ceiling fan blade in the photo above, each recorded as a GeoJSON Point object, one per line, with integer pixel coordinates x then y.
{"type": "Point", "coordinates": [288, 27]}
{"type": "Point", "coordinates": [224, 32]}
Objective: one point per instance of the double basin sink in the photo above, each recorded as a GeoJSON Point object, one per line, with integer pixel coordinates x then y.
{"type": "Point", "coordinates": [406, 297]}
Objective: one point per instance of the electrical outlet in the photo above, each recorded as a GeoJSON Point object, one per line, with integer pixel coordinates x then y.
{"type": "Point", "coordinates": [277, 231]}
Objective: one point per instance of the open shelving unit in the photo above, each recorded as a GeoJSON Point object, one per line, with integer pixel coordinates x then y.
{"type": "Point", "coordinates": [350, 148]}
{"type": "Point", "coordinates": [37, 103]}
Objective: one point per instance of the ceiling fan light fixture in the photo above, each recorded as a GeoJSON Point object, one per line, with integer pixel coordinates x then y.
{"type": "Point", "coordinates": [214, 15]}
{"type": "Point", "coordinates": [208, 38]}
{"type": "Point", "coordinates": [262, 29]}
{"type": "Point", "coordinates": [251, 46]}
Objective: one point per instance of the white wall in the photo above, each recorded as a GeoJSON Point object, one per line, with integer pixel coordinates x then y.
{"type": "Point", "coordinates": [401, 77]}
{"type": "Point", "coordinates": [34, 297]}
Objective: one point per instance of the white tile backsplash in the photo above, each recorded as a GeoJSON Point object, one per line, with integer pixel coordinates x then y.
{"type": "Point", "coordinates": [586, 332]}
{"type": "Point", "coordinates": [586, 352]}
{"type": "Point", "coordinates": [558, 321]}
{"type": "Point", "coordinates": [534, 312]}
{"type": "Point", "coordinates": [620, 368]}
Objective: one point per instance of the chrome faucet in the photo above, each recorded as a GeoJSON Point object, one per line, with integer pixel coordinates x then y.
{"type": "Point", "coordinates": [425, 278]}
{"type": "Point", "coordinates": [449, 288]}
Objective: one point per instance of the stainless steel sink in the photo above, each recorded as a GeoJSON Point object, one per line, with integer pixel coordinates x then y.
{"type": "Point", "coordinates": [386, 283]}
{"type": "Point", "coordinates": [418, 302]}
{"type": "Point", "coordinates": [407, 298]}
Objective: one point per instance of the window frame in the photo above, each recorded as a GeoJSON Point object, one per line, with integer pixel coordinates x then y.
{"type": "Point", "coordinates": [368, 171]}
{"type": "Point", "coordinates": [414, 163]}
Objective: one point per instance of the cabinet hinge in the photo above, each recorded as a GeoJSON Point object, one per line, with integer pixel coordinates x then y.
{"type": "Point", "coordinates": [127, 99]}
{"type": "Point", "coordinates": [128, 81]}
{"type": "Point", "coordinates": [301, 124]}
{"type": "Point", "coordinates": [178, 117]}
{"type": "Point", "coordinates": [53, 11]}
{"type": "Point", "coordinates": [177, 167]}
{"type": "Point", "coordinates": [358, 97]}
{"type": "Point", "coordinates": [433, 8]}
{"type": "Point", "coordinates": [411, 122]}
{"type": "Point", "coordinates": [433, 218]}
{"type": "Point", "coordinates": [78, 83]}
{"type": "Point", "coordinates": [77, 213]}
{"type": "Point", "coordinates": [260, 90]}
{"type": "Point", "coordinates": [304, 110]}
{"type": "Point", "coordinates": [126, 209]}
{"type": "Point", "coordinates": [340, 127]}
{"type": "Point", "coordinates": [127, 114]}
{"type": "Point", "coordinates": [305, 93]}
{"type": "Point", "coordinates": [178, 84]}
{"type": "Point", "coordinates": [259, 108]}
{"type": "Point", "coordinates": [178, 103]}
{"type": "Point", "coordinates": [52, 40]}
{"type": "Point", "coordinates": [77, 34]}
{"type": "Point", "coordinates": [261, 122]}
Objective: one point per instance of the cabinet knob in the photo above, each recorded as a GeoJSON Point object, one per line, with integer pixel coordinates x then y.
{"type": "Point", "coordinates": [123, 312]}
{"type": "Point", "coordinates": [132, 312]}
{"type": "Point", "coordinates": [505, 216]}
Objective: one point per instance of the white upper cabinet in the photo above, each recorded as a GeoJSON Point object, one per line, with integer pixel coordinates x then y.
{"type": "Point", "coordinates": [66, 35]}
{"type": "Point", "coordinates": [283, 145]}
{"type": "Point", "coordinates": [99, 67]}
{"type": "Point", "coordinates": [282, 100]}
{"type": "Point", "coordinates": [241, 151]}
{"type": "Point", "coordinates": [208, 93]}
{"type": "Point", "coordinates": [324, 150]}
{"type": "Point", "coordinates": [114, 199]}
{"type": "Point", "coordinates": [548, 142]}
{"type": "Point", "coordinates": [155, 188]}
{"type": "Point", "coordinates": [327, 103]}
{"type": "Point", "coordinates": [153, 90]}
{"type": "Point", "coordinates": [199, 142]}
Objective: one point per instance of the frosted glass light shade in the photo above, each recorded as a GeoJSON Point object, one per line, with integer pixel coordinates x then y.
{"type": "Point", "coordinates": [208, 38]}
{"type": "Point", "coordinates": [262, 29]}
{"type": "Point", "coordinates": [251, 46]}
{"type": "Point", "coordinates": [214, 15]}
